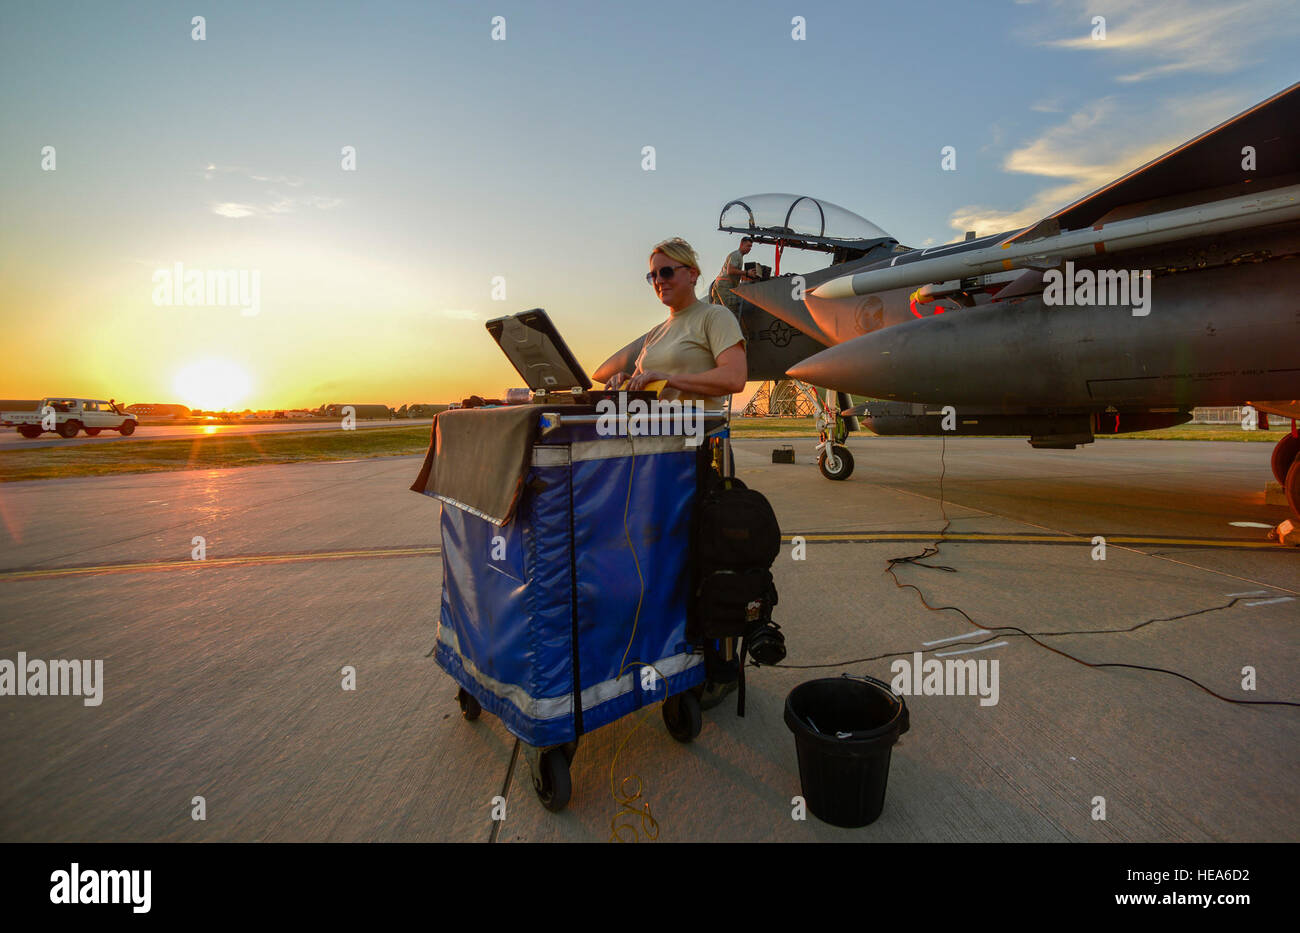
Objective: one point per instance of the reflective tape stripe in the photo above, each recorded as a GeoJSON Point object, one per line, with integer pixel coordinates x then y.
{"type": "Point", "coordinates": [609, 448]}
{"type": "Point", "coordinates": [543, 708]}
{"type": "Point", "coordinates": [603, 692]}
{"type": "Point", "coordinates": [555, 455]}
{"type": "Point", "coordinates": [533, 708]}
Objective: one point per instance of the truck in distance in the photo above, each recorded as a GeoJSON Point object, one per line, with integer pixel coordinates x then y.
{"type": "Point", "coordinates": [67, 417]}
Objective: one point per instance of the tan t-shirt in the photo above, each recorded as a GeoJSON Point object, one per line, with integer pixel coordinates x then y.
{"type": "Point", "coordinates": [735, 258]}
{"type": "Point", "coordinates": [689, 342]}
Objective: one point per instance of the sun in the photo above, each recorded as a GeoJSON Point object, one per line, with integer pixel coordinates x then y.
{"type": "Point", "coordinates": [211, 385]}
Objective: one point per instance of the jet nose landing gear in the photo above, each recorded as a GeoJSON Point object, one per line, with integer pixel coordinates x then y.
{"type": "Point", "coordinates": [833, 458]}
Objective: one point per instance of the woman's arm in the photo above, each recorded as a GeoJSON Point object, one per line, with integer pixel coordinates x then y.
{"type": "Point", "coordinates": [726, 378]}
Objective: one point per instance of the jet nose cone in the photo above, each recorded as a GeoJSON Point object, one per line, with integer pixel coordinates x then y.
{"type": "Point", "coordinates": [859, 366]}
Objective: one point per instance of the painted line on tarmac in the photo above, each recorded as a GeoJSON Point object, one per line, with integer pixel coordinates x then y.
{"type": "Point", "coordinates": [940, 641]}
{"type": "Point", "coordinates": [996, 644]}
{"type": "Point", "coordinates": [242, 561]}
{"type": "Point", "coordinates": [884, 536]}
{"type": "Point", "coordinates": [829, 538]}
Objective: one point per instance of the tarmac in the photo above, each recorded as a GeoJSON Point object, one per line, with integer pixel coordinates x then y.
{"type": "Point", "coordinates": [222, 678]}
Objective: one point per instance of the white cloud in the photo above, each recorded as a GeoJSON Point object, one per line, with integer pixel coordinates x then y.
{"type": "Point", "coordinates": [249, 194]}
{"type": "Point", "coordinates": [231, 209]}
{"type": "Point", "coordinates": [1163, 37]}
{"type": "Point", "coordinates": [289, 180]}
{"type": "Point", "coordinates": [1097, 144]}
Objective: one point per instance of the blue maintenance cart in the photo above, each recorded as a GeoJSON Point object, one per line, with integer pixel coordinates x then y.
{"type": "Point", "coordinates": [569, 611]}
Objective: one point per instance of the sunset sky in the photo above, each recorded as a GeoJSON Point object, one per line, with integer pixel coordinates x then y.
{"type": "Point", "coordinates": [522, 158]}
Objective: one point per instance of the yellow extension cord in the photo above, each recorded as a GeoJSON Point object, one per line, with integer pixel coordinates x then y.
{"type": "Point", "coordinates": [626, 802]}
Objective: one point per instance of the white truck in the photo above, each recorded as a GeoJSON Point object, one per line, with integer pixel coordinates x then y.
{"type": "Point", "coordinates": [67, 417]}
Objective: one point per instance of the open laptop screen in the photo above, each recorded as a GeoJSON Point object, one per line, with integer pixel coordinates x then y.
{"type": "Point", "coordinates": [538, 352]}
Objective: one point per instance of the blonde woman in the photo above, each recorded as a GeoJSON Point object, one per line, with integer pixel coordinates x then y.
{"type": "Point", "coordinates": [700, 350]}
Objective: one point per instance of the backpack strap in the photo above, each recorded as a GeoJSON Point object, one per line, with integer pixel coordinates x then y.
{"type": "Point", "coordinates": [740, 688]}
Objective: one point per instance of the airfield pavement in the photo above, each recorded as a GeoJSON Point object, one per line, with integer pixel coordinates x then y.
{"type": "Point", "coordinates": [222, 677]}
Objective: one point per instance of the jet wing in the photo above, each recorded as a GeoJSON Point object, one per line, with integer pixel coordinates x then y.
{"type": "Point", "coordinates": [1213, 160]}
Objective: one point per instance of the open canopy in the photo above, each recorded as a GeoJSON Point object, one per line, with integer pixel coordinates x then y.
{"type": "Point", "coordinates": [799, 221]}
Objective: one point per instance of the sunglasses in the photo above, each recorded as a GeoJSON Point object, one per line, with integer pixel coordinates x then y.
{"type": "Point", "coordinates": [666, 273]}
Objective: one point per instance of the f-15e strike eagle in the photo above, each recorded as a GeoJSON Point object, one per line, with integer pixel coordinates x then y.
{"type": "Point", "coordinates": [1175, 286]}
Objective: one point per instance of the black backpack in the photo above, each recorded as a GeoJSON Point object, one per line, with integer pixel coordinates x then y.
{"type": "Point", "coordinates": [736, 538]}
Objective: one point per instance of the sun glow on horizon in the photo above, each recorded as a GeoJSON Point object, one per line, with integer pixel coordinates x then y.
{"type": "Point", "coordinates": [212, 385]}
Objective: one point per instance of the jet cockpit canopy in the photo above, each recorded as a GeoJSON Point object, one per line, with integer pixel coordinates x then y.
{"type": "Point", "coordinates": [801, 222]}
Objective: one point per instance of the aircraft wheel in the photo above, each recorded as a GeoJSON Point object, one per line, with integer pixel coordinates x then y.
{"type": "Point", "coordinates": [836, 462]}
{"type": "Point", "coordinates": [1284, 454]}
{"type": "Point", "coordinates": [1292, 487]}
{"type": "Point", "coordinates": [69, 429]}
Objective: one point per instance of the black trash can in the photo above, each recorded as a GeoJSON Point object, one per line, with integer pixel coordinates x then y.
{"type": "Point", "coordinates": [844, 732]}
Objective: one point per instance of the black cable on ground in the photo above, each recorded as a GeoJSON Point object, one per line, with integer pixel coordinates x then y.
{"type": "Point", "coordinates": [932, 550]}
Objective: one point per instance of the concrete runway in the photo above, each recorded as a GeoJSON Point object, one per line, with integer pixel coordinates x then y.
{"type": "Point", "coordinates": [222, 677]}
{"type": "Point", "coordinates": [10, 439]}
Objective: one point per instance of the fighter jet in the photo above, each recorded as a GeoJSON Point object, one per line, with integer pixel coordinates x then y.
{"type": "Point", "coordinates": [1170, 288]}
{"type": "Point", "coordinates": [1173, 287]}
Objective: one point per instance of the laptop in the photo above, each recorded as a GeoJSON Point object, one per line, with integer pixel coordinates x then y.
{"type": "Point", "coordinates": [539, 354]}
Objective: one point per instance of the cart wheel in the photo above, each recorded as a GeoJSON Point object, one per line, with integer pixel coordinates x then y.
{"type": "Point", "coordinates": [553, 787]}
{"type": "Point", "coordinates": [469, 707]}
{"type": "Point", "coordinates": [682, 716]}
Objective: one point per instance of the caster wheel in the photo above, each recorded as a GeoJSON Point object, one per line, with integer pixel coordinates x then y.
{"type": "Point", "coordinates": [553, 785]}
{"type": "Point", "coordinates": [469, 707]}
{"type": "Point", "coordinates": [1284, 454]}
{"type": "Point", "coordinates": [836, 462]}
{"type": "Point", "coordinates": [682, 716]}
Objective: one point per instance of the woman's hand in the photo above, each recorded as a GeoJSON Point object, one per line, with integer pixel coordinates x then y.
{"type": "Point", "coordinates": [641, 380]}
{"type": "Point", "coordinates": [616, 380]}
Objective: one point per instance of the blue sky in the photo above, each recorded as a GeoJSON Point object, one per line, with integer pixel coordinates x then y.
{"type": "Point", "coordinates": [523, 158]}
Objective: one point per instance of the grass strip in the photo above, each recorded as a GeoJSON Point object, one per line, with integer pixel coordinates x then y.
{"type": "Point", "coordinates": [210, 452]}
